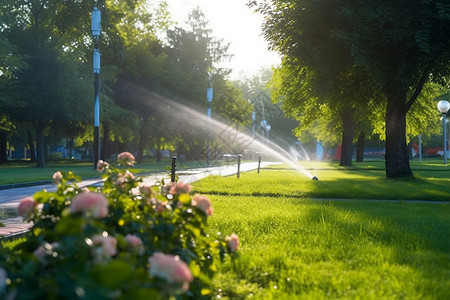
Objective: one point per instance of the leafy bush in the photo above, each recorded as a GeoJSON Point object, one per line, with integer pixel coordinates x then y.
{"type": "Point", "coordinates": [121, 240]}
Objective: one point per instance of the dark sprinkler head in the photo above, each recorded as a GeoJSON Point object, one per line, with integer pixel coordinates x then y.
{"type": "Point", "coordinates": [315, 178]}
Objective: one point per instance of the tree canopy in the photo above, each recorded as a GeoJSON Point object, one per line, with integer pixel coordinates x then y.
{"type": "Point", "coordinates": [402, 43]}
{"type": "Point", "coordinates": [46, 75]}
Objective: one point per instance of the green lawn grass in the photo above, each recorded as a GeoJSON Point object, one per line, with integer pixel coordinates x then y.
{"type": "Point", "coordinates": [361, 181]}
{"type": "Point", "coordinates": [296, 248]}
{"type": "Point", "coordinates": [23, 172]}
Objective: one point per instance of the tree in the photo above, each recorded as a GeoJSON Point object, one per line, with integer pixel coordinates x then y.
{"type": "Point", "coordinates": [324, 105]}
{"type": "Point", "coordinates": [402, 43]}
{"type": "Point", "coordinates": [53, 38]}
{"type": "Point", "coordinates": [47, 85]}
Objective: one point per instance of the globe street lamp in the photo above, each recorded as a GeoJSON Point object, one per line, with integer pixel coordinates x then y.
{"type": "Point", "coordinates": [95, 27]}
{"type": "Point", "coordinates": [443, 106]}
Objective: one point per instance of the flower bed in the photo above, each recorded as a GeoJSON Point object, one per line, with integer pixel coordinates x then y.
{"type": "Point", "coordinates": [122, 240]}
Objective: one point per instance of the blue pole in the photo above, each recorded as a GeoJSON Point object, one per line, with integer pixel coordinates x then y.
{"type": "Point", "coordinates": [209, 96]}
{"type": "Point", "coordinates": [96, 29]}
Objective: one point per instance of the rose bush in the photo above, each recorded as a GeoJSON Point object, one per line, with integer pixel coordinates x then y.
{"type": "Point", "coordinates": [123, 239]}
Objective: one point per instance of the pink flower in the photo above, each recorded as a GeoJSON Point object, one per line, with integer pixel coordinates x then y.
{"type": "Point", "coordinates": [160, 206]}
{"type": "Point", "coordinates": [203, 203]}
{"type": "Point", "coordinates": [26, 208]}
{"type": "Point", "coordinates": [57, 176]}
{"type": "Point", "coordinates": [232, 242]}
{"type": "Point", "coordinates": [146, 190]}
{"type": "Point", "coordinates": [120, 181]}
{"type": "Point", "coordinates": [125, 159]}
{"type": "Point", "coordinates": [104, 248]}
{"type": "Point", "coordinates": [180, 188]}
{"type": "Point", "coordinates": [171, 269]}
{"type": "Point", "coordinates": [129, 176]}
{"type": "Point", "coordinates": [135, 243]}
{"type": "Point", "coordinates": [95, 204]}
{"type": "Point", "coordinates": [166, 188]}
{"type": "Point", "coordinates": [102, 166]}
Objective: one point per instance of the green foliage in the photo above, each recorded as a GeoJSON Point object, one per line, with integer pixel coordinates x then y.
{"type": "Point", "coordinates": [81, 246]}
{"type": "Point", "coordinates": [400, 47]}
{"type": "Point", "coordinates": [229, 103]}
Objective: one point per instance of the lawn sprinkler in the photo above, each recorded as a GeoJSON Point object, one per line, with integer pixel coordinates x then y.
{"type": "Point", "coordinates": [315, 178]}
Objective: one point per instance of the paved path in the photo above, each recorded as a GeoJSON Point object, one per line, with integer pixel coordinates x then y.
{"type": "Point", "coordinates": [10, 198]}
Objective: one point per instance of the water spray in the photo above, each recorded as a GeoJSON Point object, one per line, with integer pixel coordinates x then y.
{"type": "Point", "coordinates": [226, 138]}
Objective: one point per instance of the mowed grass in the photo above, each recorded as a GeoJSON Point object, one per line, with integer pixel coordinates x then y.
{"type": "Point", "coordinates": [362, 181]}
{"type": "Point", "coordinates": [308, 249]}
{"type": "Point", "coordinates": [295, 247]}
{"type": "Point", "coordinates": [24, 172]}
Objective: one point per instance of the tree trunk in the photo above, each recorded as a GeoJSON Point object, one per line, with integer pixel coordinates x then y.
{"type": "Point", "coordinates": [397, 157]}
{"type": "Point", "coordinates": [31, 145]}
{"type": "Point", "coordinates": [40, 144]}
{"type": "Point", "coordinates": [347, 137]}
{"type": "Point", "coordinates": [360, 147]}
{"type": "Point", "coordinates": [3, 148]}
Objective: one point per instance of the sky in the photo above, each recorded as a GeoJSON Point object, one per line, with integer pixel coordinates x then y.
{"type": "Point", "coordinates": [235, 23]}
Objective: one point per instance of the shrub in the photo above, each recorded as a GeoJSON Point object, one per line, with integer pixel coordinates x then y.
{"type": "Point", "coordinates": [121, 240]}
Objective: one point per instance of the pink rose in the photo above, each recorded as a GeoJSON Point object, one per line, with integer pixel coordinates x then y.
{"type": "Point", "coordinates": [232, 242]}
{"type": "Point", "coordinates": [160, 206]}
{"type": "Point", "coordinates": [56, 178]}
{"type": "Point", "coordinates": [146, 190]}
{"type": "Point", "coordinates": [135, 243]}
{"type": "Point", "coordinates": [125, 159]}
{"type": "Point", "coordinates": [107, 244]}
{"type": "Point", "coordinates": [102, 166]}
{"type": "Point", "coordinates": [95, 204]}
{"type": "Point", "coordinates": [120, 181]}
{"type": "Point", "coordinates": [166, 188]}
{"type": "Point", "coordinates": [103, 247]}
{"type": "Point", "coordinates": [180, 188]}
{"type": "Point", "coordinates": [26, 208]}
{"type": "Point", "coordinates": [203, 203]}
{"type": "Point", "coordinates": [171, 269]}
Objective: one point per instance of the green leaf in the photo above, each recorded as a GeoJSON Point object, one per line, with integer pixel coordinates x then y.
{"type": "Point", "coordinates": [69, 225]}
{"type": "Point", "coordinates": [42, 196]}
{"type": "Point", "coordinates": [115, 274]}
{"type": "Point", "coordinates": [142, 294]}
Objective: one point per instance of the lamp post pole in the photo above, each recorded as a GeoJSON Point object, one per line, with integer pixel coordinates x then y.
{"type": "Point", "coordinates": [443, 106]}
{"type": "Point", "coordinates": [253, 123]}
{"type": "Point", "coordinates": [96, 27]}
{"type": "Point", "coordinates": [209, 96]}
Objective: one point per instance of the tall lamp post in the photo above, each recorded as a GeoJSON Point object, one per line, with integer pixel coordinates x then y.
{"type": "Point", "coordinates": [443, 106]}
{"type": "Point", "coordinates": [95, 28]}
{"type": "Point", "coordinates": [253, 123]}
{"type": "Point", "coordinates": [209, 96]}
